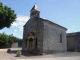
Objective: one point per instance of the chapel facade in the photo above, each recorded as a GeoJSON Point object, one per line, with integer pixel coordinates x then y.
{"type": "Point", "coordinates": [43, 36]}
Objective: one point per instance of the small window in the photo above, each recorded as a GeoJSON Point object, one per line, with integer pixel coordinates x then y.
{"type": "Point", "coordinates": [60, 38]}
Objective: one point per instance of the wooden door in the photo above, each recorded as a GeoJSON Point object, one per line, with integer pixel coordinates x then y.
{"type": "Point", "coordinates": [30, 45]}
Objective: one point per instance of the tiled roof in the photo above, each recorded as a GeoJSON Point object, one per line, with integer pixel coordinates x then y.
{"type": "Point", "coordinates": [72, 34]}
{"type": "Point", "coordinates": [52, 23]}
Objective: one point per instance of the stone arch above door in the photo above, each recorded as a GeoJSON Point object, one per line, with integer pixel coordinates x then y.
{"type": "Point", "coordinates": [31, 35]}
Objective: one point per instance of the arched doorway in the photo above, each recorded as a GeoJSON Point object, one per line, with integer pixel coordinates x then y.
{"type": "Point", "coordinates": [30, 44]}
{"type": "Point", "coordinates": [31, 38]}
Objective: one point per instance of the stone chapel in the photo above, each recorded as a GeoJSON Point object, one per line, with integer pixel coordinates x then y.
{"type": "Point", "coordinates": [43, 36]}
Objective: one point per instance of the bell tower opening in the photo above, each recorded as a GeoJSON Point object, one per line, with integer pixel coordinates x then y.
{"type": "Point", "coordinates": [35, 11]}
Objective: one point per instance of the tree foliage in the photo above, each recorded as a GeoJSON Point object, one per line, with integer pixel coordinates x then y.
{"type": "Point", "coordinates": [6, 40]}
{"type": "Point", "coordinates": [3, 39]}
{"type": "Point", "coordinates": [7, 16]}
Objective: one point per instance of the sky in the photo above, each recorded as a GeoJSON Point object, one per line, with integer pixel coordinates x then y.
{"type": "Point", "coordinates": [63, 12]}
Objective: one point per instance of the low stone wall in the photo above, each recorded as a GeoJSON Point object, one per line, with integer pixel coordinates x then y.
{"type": "Point", "coordinates": [14, 45]}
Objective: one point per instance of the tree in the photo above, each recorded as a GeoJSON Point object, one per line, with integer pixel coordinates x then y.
{"type": "Point", "coordinates": [4, 39]}
{"type": "Point", "coordinates": [7, 16]}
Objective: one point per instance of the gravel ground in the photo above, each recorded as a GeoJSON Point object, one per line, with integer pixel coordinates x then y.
{"type": "Point", "coordinates": [26, 56]}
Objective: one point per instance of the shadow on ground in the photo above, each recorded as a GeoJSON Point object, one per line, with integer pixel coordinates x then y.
{"type": "Point", "coordinates": [23, 53]}
{"type": "Point", "coordinates": [65, 54]}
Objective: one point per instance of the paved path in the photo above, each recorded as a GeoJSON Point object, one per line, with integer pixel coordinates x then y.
{"type": "Point", "coordinates": [57, 56]}
{"type": "Point", "coordinates": [11, 49]}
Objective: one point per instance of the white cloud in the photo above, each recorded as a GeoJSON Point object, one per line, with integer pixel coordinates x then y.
{"type": "Point", "coordinates": [21, 28]}
{"type": "Point", "coordinates": [18, 24]}
{"type": "Point", "coordinates": [21, 37]}
{"type": "Point", "coordinates": [14, 24]}
{"type": "Point", "coordinates": [22, 18]}
{"type": "Point", "coordinates": [44, 18]}
{"type": "Point", "coordinates": [15, 30]}
{"type": "Point", "coordinates": [68, 30]}
{"type": "Point", "coordinates": [14, 33]}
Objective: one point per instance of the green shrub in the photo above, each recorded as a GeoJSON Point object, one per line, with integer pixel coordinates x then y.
{"type": "Point", "coordinates": [18, 53]}
{"type": "Point", "coordinates": [9, 50]}
{"type": "Point", "coordinates": [6, 40]}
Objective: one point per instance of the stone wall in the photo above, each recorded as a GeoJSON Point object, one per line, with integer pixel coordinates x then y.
{"type": "Point", "coordinates": [70, 43]}
{"type": "Point", "coordinates": [48, 35]}
{"type": "Point", "coordinates": [14, 45]}
{"type": "Point", "coordinates": [51, 39]}
{"type": "Point", "coordinates": [34, 25]}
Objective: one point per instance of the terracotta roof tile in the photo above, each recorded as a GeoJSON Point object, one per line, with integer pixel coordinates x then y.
{"type": "Point", "coordinates": [54, 23]}
{"type": "Point", "coordinates": [72, 34]}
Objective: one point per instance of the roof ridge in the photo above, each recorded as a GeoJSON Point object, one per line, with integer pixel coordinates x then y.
{"type": "Point", "coordinates": [72, 32]}
{"type": "Point", "coordinates": [53, 23]}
